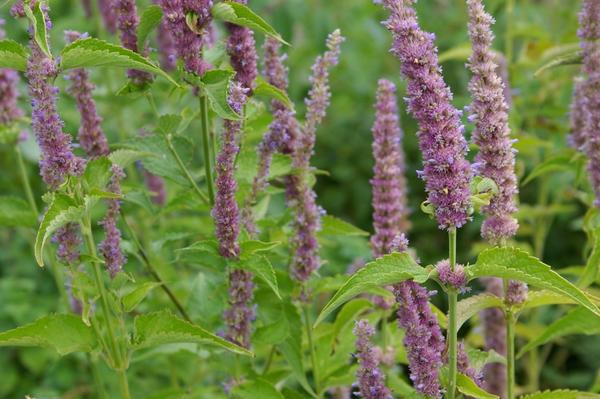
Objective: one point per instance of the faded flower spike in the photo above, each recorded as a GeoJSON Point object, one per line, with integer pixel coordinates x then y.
{"type": "Point", "coordinates": [91, 136]}
{"type": "Point", "coordinates": [390, 210]}
{"type": "Point", "coordinates": [371, 380]}
{"type": "Point", "coordinates": [446, 171]}
{"type": "Point", "coordinates": [241, 48]}
{"type": "Point", "coordinates": [187, 42]}
{"type": "Point", "coordinates": [110, 248]}
{"type": "Point", "coordinates": [9, 111]}
{"type": "Point", "coordinates": [489, 112]}
{"type": "Point", "coordinates": [57, 161]}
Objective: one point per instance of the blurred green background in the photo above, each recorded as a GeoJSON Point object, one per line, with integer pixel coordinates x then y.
{"type": "Point", "coordinates": [552, 206]}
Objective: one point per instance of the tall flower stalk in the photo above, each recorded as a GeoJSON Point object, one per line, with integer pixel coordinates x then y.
{"type": "Point", "coordinates": [371, 381]}
{"type": "Point", "coordinates": [241, 48]}
{"type": "Point", "coordinates": [127, 23]}
{"type": "Point", "coordinates": [446, 172]}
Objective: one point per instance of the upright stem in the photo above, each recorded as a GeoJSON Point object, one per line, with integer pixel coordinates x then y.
{"type": "Point", "coordinates": [124, 384]}
{"type": "Point", "coordinates": [452, 321]}
{"type": "Point", "coordinates": [207, 147]}
{"type": "Point", "coordinates": [313, 354]}
{"type": "Point", "coordinates": [25, 181]}
{"type": "Point", "coordinates": [510, 354]}
{"type": "Point", "coordinates": [185, 170]}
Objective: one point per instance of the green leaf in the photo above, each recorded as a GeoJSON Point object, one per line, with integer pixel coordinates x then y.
{"type": "Point", "coordinates": [125, 157]}
{"type": "Point", "coordinates": [468, 387]}
{"type": "Point", "coordinates": [516, 264]}
{"type": "Point", "coordinates": [149, 20]}
{"type": "Point", "coordinates": [91, 52]}
{"type": "Point", "coordinates": [553, 164]}
{"type": "Point", "coordinates": [577, 321]}
{"type": "Point", "coordinates": [262, 268]}
{"type": "Point", "coordinates": [331, 225]}
{"type": "Point", "coordinates": [61, 332]}
{"type": "Point", "coordinates": [37, 18]}
{"type": "Point", "coordinates": [13, 55]}
{"type": "Point", "coordinates": [250, 247]}
{"type": "Point", "coordinates": [592, 266]}
{"type": "Point", "coordinates": [168, 123]}
{"type": "Point", "coordinates": [390, 269]}
{"type": "Point", "coordinates": [163, 327]}
{"type": "Point", "coordinates": [461, 52]}
{"type": "Point", "coordinates": [135, 297]}
{"type": "Point", "coordinates": [562, 394]}
{"type": "Point", "coordinates": [571, 58]}
{"type": "Point", "coordinates": [97, 172]}
{"type": "Point", "coordinates": [239, 14]}
{"type": "Point", "coordinates": [545, 297]}
{"type": "Point", "coordinates": [469, 307]}
{"type": "Point", "coordinates": [257, 388]}
{"type": "Point", "coordinates": [348, 313]}
{"type": "Point", "coordinates": [61, 211]}
{"type": "Point", "coordinates": [15, 211]}
{"type": "Point", "coordinates": [215, 84]}
{"type": "Point", "coordinates": [265, 89]}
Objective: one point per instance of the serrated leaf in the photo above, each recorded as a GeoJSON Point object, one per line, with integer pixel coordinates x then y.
{"type": "Point", "coordinates": [553, 164]}
{"type": "Point", "coordinates": [63, 333]}
{"type": "Point", "coordinates": [265, 89]}
{"type": "Point", "coordinates": [163, 327]}
{"type": "Point", "coordinates": [545, 297]}
{"type": "Point", "coordinates": [137, 295]}
{"type": "Point", "coordinates": [13, 55]}
{"type": "Point", "coordinates": [61, 211]}
{"type": "Point", "coordinates": [97, 172]}
{"type": "Point", "coordinates": [468, 387]}
{"type": "Point", "coordinates": [215, 85]}
{"type": "Point", "coordinates": [469, 307]}
{"type": "Point", "coordinates": [168, 123]}
{"type": "Point", "coordinates": [15, 211]}
{"type": "Point", "coordinates": [330, 225]}
{"type": "Point", "coordinates": [514, 263]}
{"type": "Point", "coordinates": [348, 313]}
{"type": "Point", "coordinates": [149, 20]}
{"type": "Point", "coordinates": [248, 248]}
{"type": "Point", "coordinates": [571, 58]}
{"type": "Point", "coordinates": [562, 394]}
{"type": "Point", "coordinates": [262, 268]}
{"type": "Point", "coordinates": [257, 388]}
{"type": "Point", "coordinates": [125, 157]}
{"type": "Point", "coordinates": [592, 266]}
{"type": "Point", "coordinates": [37, 18]}
{"type": "Point", "coordinates": [387, 270]}
{"type": "Point", "coordinates": [91, 52]}
{"type": "Point", "coordinates": [240, 14]}
{"type": "Point", "coordinates": [577, 321]}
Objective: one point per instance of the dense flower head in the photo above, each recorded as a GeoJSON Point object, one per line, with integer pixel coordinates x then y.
{"type": "Point", "coordinates": [452, 277]}
{"type": "Point", "coordinates": [225, 211]}
{"type": "Point", "coordinates": [516, 293]}
{"type": "Point", "coordinates": [91, 136]}
{"type": "Point", "coordinates": [241, 313]}
{"type": "Point", "coordinates": [166, 47]}
{"type": "Point", "coordinates": [188, 43]}
{"type": "Point", "coordinates": [577, 116]}
{"type": "Point", "coordinates": [423, 337]}
{"type": "Point", "coordinates": [489, 112]}
{"type": "Point", "coordinates": [68, 239]}
{"type": "Point", "coordinates": [57, 160]}
{"type": "Point", "coordinates": [109, 15]}
{"type": "Point", "coordinates": [464, 367]}
{"type": "Point", "coordinates": [127, 22]}
{"type": "Point", "coordinates": [9, 111]}
{"type": "Point", "coordinates": [390, 209]}
{"type": "Point", "coordinates": [446, 172]}
{"type": "Point", "coordinates": [371, 380]}
{"type": "Point", "coordinates": [110, 248]}
{"type": "Point", "coordinates": [241, 48]}
{"type": "Point", "coordinates": [494, 332]}
{"type": "Point", "coordinates": [589, 33]}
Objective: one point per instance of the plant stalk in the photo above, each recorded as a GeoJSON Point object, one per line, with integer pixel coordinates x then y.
{"type": "Point", "coordinates": [510, 354]}
{"type": "Point", "coordinates": [452, 320]}
{"type": "Point", "coordinates": [313, 354]}
{"type": "Point", "coordinates": [25, 181]}
{"type": "Point", "coordinates": [207, 147]}
{"type": "Point", "coordinates": [185, 171]}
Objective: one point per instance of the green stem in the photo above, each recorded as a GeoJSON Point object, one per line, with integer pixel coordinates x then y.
{"type": "Point", "coordinates": [313, 354]}
{"type": "Point", "coordinates": [185, 171]}
{"type": "Point", "coordinates": [510, 354]}
{"type": "Point", "coordinates": [269, 361]}
{"type": "Point", "coordinates": [25, 181]}
{"type": "Point", "coordinates": [452, 320]}
{"type": "Point", "coordinates": [146, 261]}
{"type": "Point", "coordinates": [97, 378]}
{"type": "Point", "coordinates": [207, 147]}
{"type": "Point", "coordinates": [124, 384]}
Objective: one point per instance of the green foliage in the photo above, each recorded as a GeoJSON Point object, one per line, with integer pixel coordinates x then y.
{"type": "Point", "coordinates": [16, 212]}
{"type": "Point", "coordinates": [149, 20]}
{"type": "Point", "coordinates": [13, 55]}
{"type": "Point", "coordinates": [258, 388]}
{"type": "Point", "coordinates": [37, 19]}
{"type": "Point", "coordinates": [240, 14]}
{"type": "Point", "coordinates": [215, 84]}
{"type": "Point", "coordinates": [468, 387]}
{"type": "Point", "coordinates": [132, 299]}
{"type": "Point", "coordinates": [469, 307]}
{"type": "Point", "coordinates": [562, 394]}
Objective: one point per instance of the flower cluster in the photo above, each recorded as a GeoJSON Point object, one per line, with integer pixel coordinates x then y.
{"type": "Point", "coordinates": [241, 48]}
{"type": "Point", "coordinates": [494, 332]}
{"type": "Point", "coordinates": [187, 42]}
{"type": "Point", "coordinates": [91, 137]}
{"type": "Point", "coordinates": [489, 112]}
{"type": "Point", "coordinates": [371, 381]}
{"type": "Point", "coordinates": [9, 111]}
{"type": "Point", "coordinates": [455, 278]}
{"type": "Point", "coordinates": [109, 15]}
{"type": "Point", "coordinates": [127, 23]}
{"type": "Point", "coordinates": [577, 116]}
{"type": "Point", "coordinates": [446, 172]}
{"type": "Point", "coordinates": [68, 239]}
{"type": "Point", "coordinates": [110, 248]}
{"type": "Point", "coordinates": [241, 313]}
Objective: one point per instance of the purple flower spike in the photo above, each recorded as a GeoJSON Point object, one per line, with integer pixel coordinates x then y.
{"type": "Point", "coordinates": [156, 186]}
{"type": "Point", "coordinates": [87, 8]}
{"type": "Point", "coordinates": [371, 381]}
{"type": "Point", "coordinates": [241, 48]}
{"type": "Point", "coordinates": [489, 111]}
{"type": "Point", "coordinates": [390, 210]}
{"type": "Point", "coordinates": [110, 248]}
{"type": "Point", "coordinates": [127, 22]}
{"type": "Point", "coordinates": [57, 161]}
{"type": "Point", "coordinates": [494, 332]}
{"type": "Point", "coordinates": [225, 211]}
{"type": "Point", "coordinates": [9, 111]}
{"type": "Point", "coordinates": [68, 239]}
{"type": "Point", "coordinates": [456, 278]}
{"type": "Point", "coordinates": [577, 116]}
{"type": "Point", "coordinates": [188, 42]}
{"type": "Point", "coordinates": [91, 136]}
{"type": "Point", "coordinates": [465, 368]}
{"type": "Point", "coordinates": [241, 313]}
{"type": "Point", "coordinates": [446, 171]}
{"type": "Point", "coordinates": [166, 47]}
{"type": "Point", "coordinates": [516, 293]}
{"type": "Point", "coordinates": [109, 15]}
